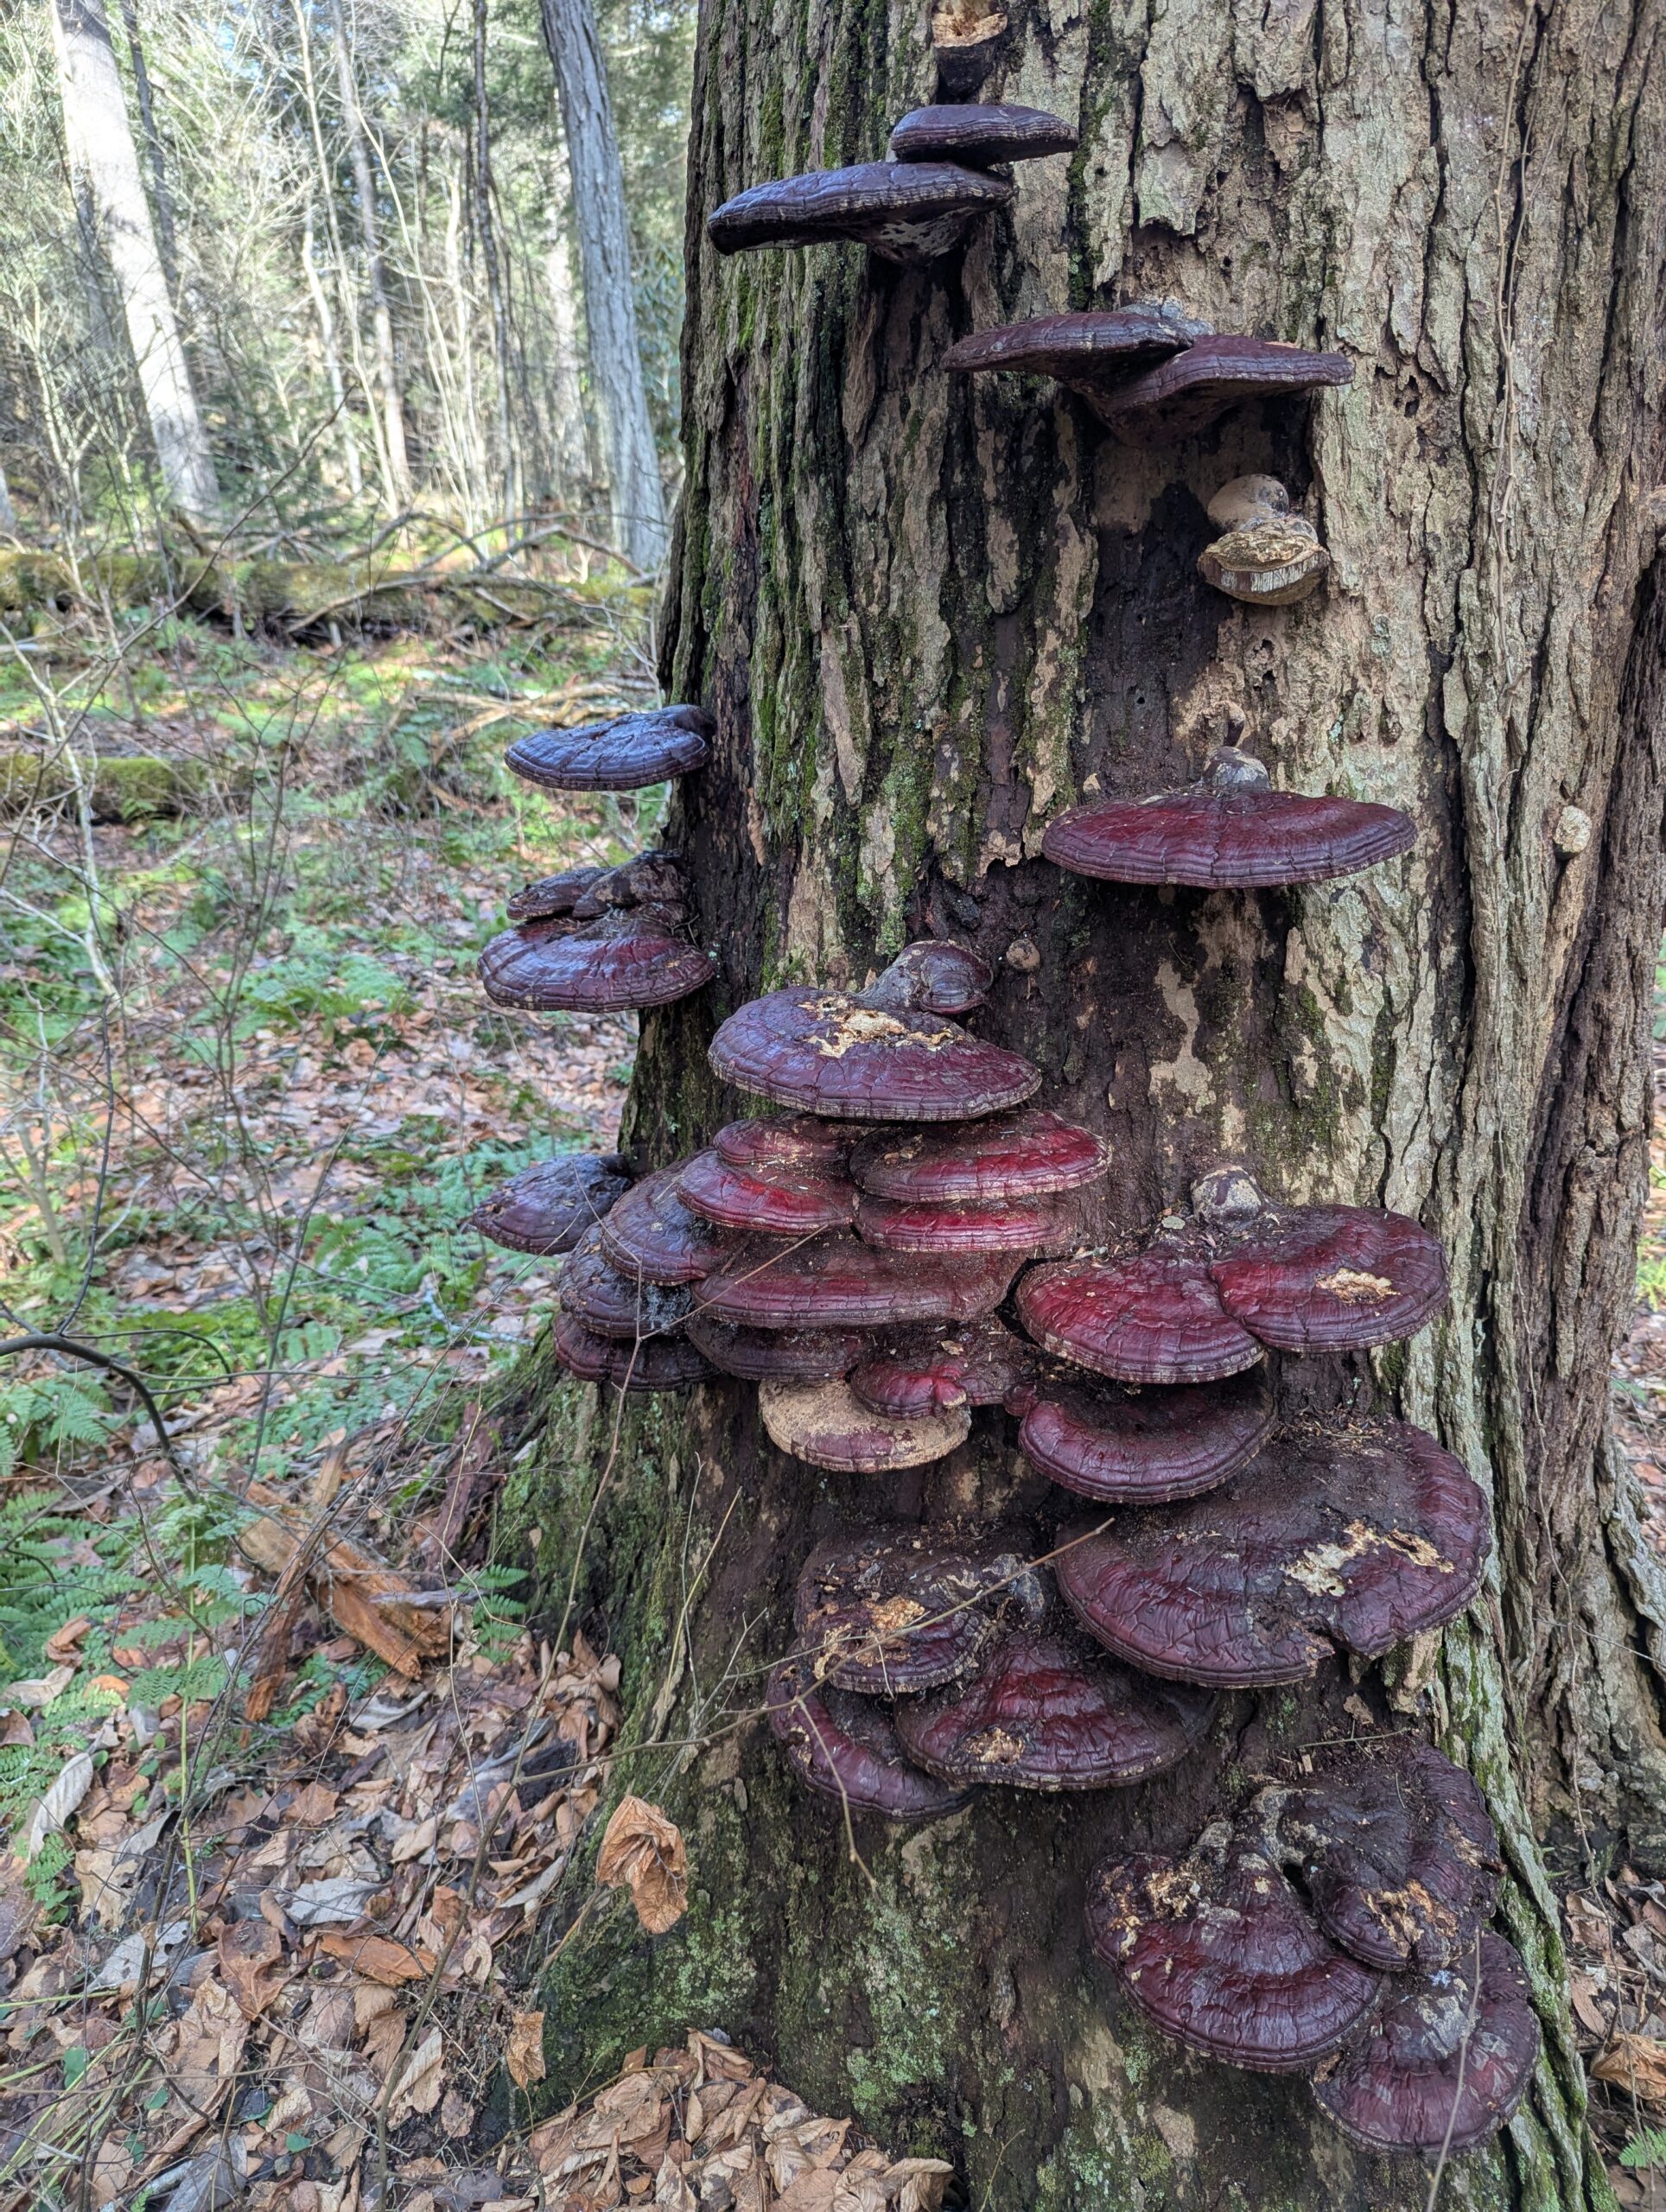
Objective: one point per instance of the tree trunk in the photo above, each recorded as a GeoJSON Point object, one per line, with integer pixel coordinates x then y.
{"type": "Point", "coordinates": [161, 200]}
{"type": "Point", "coordinates": [571, 430]}
{"type": "Point", "coordinates": [928, 614]}
{"type": "Point", "coordinates": [391, 445]}
{"type": "Point", "coordinates": [100, 143]}
{"type": "Point", "coordinates": [331, 355]}
{"type": "Point", "coordinates": [604, 254]}
{"type": "Point", "coordinates": [511, 493]}
{"type": "Point", "coordinates": [8, 512]}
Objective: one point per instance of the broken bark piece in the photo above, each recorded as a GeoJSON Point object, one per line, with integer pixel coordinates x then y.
{"type": "Point", "coordinates": [912, 212]}
{"type": "Point", "coordinates": [1354, 1539]}
{"type": "Point", "coordinates": [547, 1207]}
{"type": "Point", "coordinates": [627, 753]}
{"type": "Point", "coordinates": [847, 1747]}
{"type": "Point", "coordinates": [967, 36]}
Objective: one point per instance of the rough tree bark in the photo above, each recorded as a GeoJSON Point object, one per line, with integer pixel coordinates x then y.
{"type": "Point", "coordinates": [604, 253]}
{"type": "Point", "coordinates": [570, 427]}
{"type": "Point", "coordinates": [928, 614]}
{"type": "Point", "coordinates": [99, 137]}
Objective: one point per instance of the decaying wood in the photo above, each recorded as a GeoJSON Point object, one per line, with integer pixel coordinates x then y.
{"type": "Point", "coordinates": [362, 1595]}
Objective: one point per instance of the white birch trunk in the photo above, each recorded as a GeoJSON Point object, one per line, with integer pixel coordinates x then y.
{"type": "Point", "coordinates": [572, 431]}
{"type": "Point", "coordinates": [100, 141]}
{"type": "Point", "coordinates": [604, 243]}
{"type": "Point", "coordinates": [8, 512]}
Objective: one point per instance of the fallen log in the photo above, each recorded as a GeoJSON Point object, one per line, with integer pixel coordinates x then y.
{"type": "Point", "coordinates": [364, 1596]}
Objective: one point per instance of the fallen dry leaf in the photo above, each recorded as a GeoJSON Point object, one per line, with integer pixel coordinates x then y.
{"type": "Point", "coordinates": [1636, 2065]}
{"type": "Point", "coordinates": [252, 1962]}
{"type": "Point", "coordinates": [525, 2055]}
{"type": "Point", "coordinates": [379, 1958]}
{"type": "Point", "coordinates": [643, 1852]}
{"type": "Point", "coordinates": [421, 2080]}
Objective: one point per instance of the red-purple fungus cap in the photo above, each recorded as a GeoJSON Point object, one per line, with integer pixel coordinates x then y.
{"type": "Point", "coordinates": [1046, 1711]}
{"type": "Point", "coordinates": [626, 754]}
{"type": "Point", "coordinates": [892, 1615]}
{"type": "Point", "coordinates": [1359, 1539]}
{"type": "Point", "coordinates": [547, 1207]}
{"type": "Point", "coordinates": [1395, 1848]}
{"type": "Point", "coordinates": [1231, 831]}
{"type": "Point", "coordinates": [1190, 391]}
{"type": "Point", "coordinates": [794, 1144]}
{"type": "Point", "coordinates": [846, 1748]}
{"type": "Point", "coordinates": [1088, 353]}
{"type": "Point", "coordinates": [784, 1203]}
{"type": "Point", "coordinates": [652, 1363]}
{"type": "Point", "coordinates": [762, 1355]}
{"type": "Point", "coordinates": [836, 1282]}
{"type": "Point", "coordinates": [826, 1424]}
{"type": "Point", "coordinates": [1444, 2061]}
{"type": "Point", "coordinates": [1218, 1950]}
{"type": "Point", "coordinates": [651, 1234]}
{"type": "Point", "coordinates": [1031, 1229]}
{"type": "Point", "coordinates": [1143, 1447]}
{"type": "Point", "coordinates": [1155, 1318]}
{"type": "Point", "coordinates": [931, 975]}
{"type": "Point", "coordinates": [827, 1052]}
{"type": "Point", "coordinates": [552, 894]}
{"type": "Point", "coordinates": [612, 1305]}
{"type": "Point", "coordinates": [904, 211]}
{"type": "Point", "coordinates": [931, 1370]}
{"type": "Point", "coordinates": [978, 135]}
{"type": "Point", "coordinates": [627, 960]}
{"type": "Point", "coordinates": [652, 878]}
{"type": "Point", "coordinates": [1021, 1155]}
{"type": "Point", "coordinates": [1333, 1278]}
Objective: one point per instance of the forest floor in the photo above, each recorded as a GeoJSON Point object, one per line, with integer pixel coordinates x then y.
{"type": "Point", "coordinates": [278, 1902]}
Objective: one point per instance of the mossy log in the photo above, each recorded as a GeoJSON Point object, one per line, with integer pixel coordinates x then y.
{"type": "Point", "coordinates": [120, 787]}
{"type": "Point", "coordinates": [929, 614]}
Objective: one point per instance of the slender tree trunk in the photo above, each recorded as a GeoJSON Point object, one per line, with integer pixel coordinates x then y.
{"type": "Point", "coordinates": [161, 200]}
{"type": "Point", "coordinates": [604, 253]}
{"type": "Point", "coordinates": [331, 354]}
{"type": "Point", "coordinates": [8, 512]}
{"type": "Point", "coordinates": [381, 312]}
{"type": "Point", "coordinates": [572, 429]}
{"type": "Point", "coordinates": [927, 614]}
{"type": "Point", "coordinates": [100, 142]}
{"type": "Point", "coordinates": [486, 230]}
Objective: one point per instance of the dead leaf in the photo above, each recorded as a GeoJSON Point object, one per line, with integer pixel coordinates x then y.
{"type": "Point", "coordinates": [63, 1641]}
{"type": "Point", "coordinates": [253, 1962]}
{"type": "Point", "coordinates": [70, 1784]}
{"type": "Point", "coordinates": [524, 2054]}
{"type": "Point", "coordinates": [379, 1958]}
{"type": "Point", "coordinates": [1636, 2065]}
{"type": "Point", "coordinates": [421, 2081]}
{"type": "Point", "coordinates": [643, 1852]}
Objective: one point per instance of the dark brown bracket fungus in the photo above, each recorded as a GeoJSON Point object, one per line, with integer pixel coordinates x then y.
{"type": "Point", "coordinates": [1027, 1154]}
{"type": "Point", "coordinates": [1155, 1318]}
{"type": "Point", "coordinates": [1219, 1951]}
{"type": "Point", "coordinates": [782, 1203]}
{"type": "Point", "coordinates": [547, 1207]}
{"type": "Point", "coordinates": [1189, 391]}
{"type": "Point", "coordinates": [1230, 831]}
{"type": "Point", "coordinates": [1356, 1539]}
{"type": "Point", "coordinates": [1333, 1278]}
{"type": "Point", "coordinates": [794, 1144]}
{"type": "Point", "coordinates": [902, 211]}
{"type": "Point", "coordinates": [1444, 2061]}
{"type": "Point", "coordinates": [1045, 1711]}
{"type": "Point", "coordinates": [1143, 1447]}
{"type": "Point", "coordinates": [1394, 1847]}
{"type": "Point", "coordinates": [1268, 556]}
{"type": "Point", "coordinates": [980, 135]}
{"type": "Point", "coordinates": [626, 754]}
{"type": "Point", "coordinates": [553, 894]}
{"type": "Point", "coordinates": [651, 1236]}
{"type": "Point", "coordinates": [966, 37]}
{"type": "Point", "coordinates": [846, 1747]}
{"type": "Point", "coordinates": [837, 1281]}
{"type": "Point", "coordinates": [786, 1355]}
{"type": "Point", "coordinates": [932, 976]}
{"type": "Point", "coordinates": [1033, 1229]}
{"type": "Point", "coordinates": [827, 1425]}
{"type": "Point", "coordinates": [1091, 353]}
{"type": "Point", "coordinates": [932, 1370]}
{"type": "Point", "coordinates": [625, 960]}
{"type": "Point", "coordinates": [612, 1305]}
{"type": "Point", "coordinates": [656, 1362]}
{"type": "Point", "coordinates": [894, 1615]}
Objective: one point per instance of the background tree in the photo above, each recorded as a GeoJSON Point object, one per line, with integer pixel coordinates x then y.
{"type": "Point", "coordinates": [925, 613]}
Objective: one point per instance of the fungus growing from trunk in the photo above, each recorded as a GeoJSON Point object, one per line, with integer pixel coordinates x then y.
{"type": "Point", "coordinates": [836, 1282]}
{"type": "Point", "coordinates": [656, 1362]}
{"type": "Point", "coordinates": [903, 211]}
{"type": "Point", "coordinates": [1356, 1539]}
{"type": "Point", "coordinates": [1090, 353]}
{"type": "Point", "coordinates": [789, 1355]}
{"type": "Point", "coordinates": [798, 1144]}
{"type": "Point", "coordinates": [1231, 830]}
{"type": "Point", "coordinates": [612, 1305]}
{"type": "Point", "coordinates": [632, 959]}
{"type": "Point", "coordinates": [980, 135]}
{"type": "Point", "coordinates": [1155, 1318]}
{"type": "Point", "coordinates": [966, 37]}
{"type": "Point", "coordinates": [1443, 2061]}
{"type": "Point", "coordinates": [847, 1747]}
{"type": "Point", "coordinates": [783, 1202]}
{"type": "Point", "coordinates": [931, 975]}
{"type": "Point", "coordinates": [1267, 556]}
{"type": "Point", "coordinates": [957, 1363]}
{"type": "Point", "coordinates": [1024, 1154]}
{"type": "Point", "coordinates": [651, 1235]}
{"type": "Point", "coordinates": [1044, 1710]}
{"type": "Point", "coordinates": [1143, 1447]}
{"type": "Point", "coordinates": [624, 754]}
{"type": "Point", "coordinates": [1394, 1847]}
{"type": "Point", "coordinates": [552, 894]}
{"type": "Point", "coordinates": [1186, 393]}
{"type": "Point", "coordinates": [894, 1615]}
{"type": "Point", "coordinates": [1218, 1950]}
{"type": "Point", "coordinates": [547, 1207]}
{"type": "Point", "coordinates": [1032, 1228]}
{"type": "Point", "coordinates": [827, 1425]}
{"type": "Point", "coordinates": [1333, 1278]}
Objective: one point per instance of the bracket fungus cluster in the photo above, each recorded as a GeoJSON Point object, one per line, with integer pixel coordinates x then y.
{"type": "Point", "coordinates": [939, 177]}
{"type": "Point", "coordinates": [1266, 556]}
{"type": "Point", "coordinates": [1336, 1927]}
